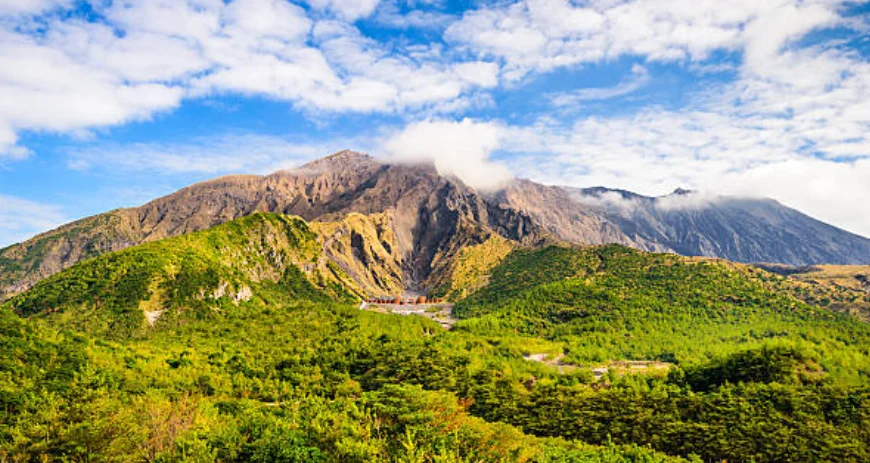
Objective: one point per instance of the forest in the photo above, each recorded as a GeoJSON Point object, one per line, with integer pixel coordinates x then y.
{"type": "Point", "coordinates": [297, 373]}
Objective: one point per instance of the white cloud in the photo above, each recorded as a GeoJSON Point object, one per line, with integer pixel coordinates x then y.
{"type": "Point", "coordinates": [388, 14]}
{"type": "Point", "coordinates": [460, 149]}
{"type": "Point", "coordinates": [640, 77]}
{"type": "Point", "coordinates": [228, 154]}
{"type": "Point", "coordinates": [540, 35]}
{"type": "Point", "coordinates": [46, 89]}
{"type": "Point", "coordinates": [480, 73]}
{"type": "Point", "coordinates": [21, 218]}
{"type": "Point", "coordinates": [17, 7]}
{"type": "Point", "coordinates": [350, 10]}
{"type": "Point", "coordinates": [265, 19]}
{"type": "Point", "coordinates": [171, 50]}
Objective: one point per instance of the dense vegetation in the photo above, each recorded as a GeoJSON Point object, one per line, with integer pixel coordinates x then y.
{"type": "Point", "coordinates": [258, 257]}
{"type": "Point", "coordinates": [611, 302]}
{"type": "Point", "coordinates": [295, 373]}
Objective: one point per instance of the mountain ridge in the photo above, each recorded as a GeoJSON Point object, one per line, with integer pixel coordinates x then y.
{"type": "Point", "coordinates": [433, 217]}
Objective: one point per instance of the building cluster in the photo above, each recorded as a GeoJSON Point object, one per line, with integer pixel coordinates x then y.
{"type": "Point", "coordinates": [399, 300]}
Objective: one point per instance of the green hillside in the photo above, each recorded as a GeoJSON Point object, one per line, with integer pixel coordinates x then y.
{"type": "Point", "coordinates": [291, 382]}
{"type": "Point", "coordinates": [261, 259]}
{"type": "Point", "coordinates": [259, 353]}
{"type": "Point", "coordinates": [611, 302]}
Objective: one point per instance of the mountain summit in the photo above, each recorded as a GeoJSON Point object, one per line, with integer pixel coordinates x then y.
{"type": "Point", "coordinates": [433, 217]}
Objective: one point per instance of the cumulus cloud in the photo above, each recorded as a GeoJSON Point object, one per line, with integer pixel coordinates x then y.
{"type": "Point", "coordinates": [461, 149]}
{"type": "Point", "coordinates": [47, 89]}
{"type": "Point", "coordinates": [390, 15]}
{"type": "Point", "coordinates": [146, 56]}
{"type": "Point", "coordinates": [541, 35]}
{"type": "Point", "coordinates": [19, 7]}
{"type": "Point", "coordinates": [350, 10]}
{"type": "Point", "coordinates": [21, 218]}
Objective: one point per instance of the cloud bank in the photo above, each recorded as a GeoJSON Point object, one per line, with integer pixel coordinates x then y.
{"type": "Point", "coordinates": [144, 57]}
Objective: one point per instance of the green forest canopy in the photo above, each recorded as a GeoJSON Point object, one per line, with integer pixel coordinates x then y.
{"type": "Point", "coordinates": [298, 373]}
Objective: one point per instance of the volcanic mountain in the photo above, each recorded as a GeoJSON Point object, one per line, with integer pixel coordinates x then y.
{"type": "Point", "coordinates": [431, 218]}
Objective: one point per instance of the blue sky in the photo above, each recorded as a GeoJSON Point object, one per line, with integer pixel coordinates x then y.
{"type": "Point", "coordinates": [107, 104]}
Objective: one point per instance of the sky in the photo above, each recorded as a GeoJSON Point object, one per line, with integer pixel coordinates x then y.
{"type": "Point", "coordinates": [112, 103]}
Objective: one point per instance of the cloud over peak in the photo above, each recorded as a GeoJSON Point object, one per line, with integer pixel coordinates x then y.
{"type": "Point", "coordinates": [461, 149]}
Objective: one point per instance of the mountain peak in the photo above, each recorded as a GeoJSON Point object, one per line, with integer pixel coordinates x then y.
{"type": "Point", "coordinates": [345, 155]}
{"type": "Point", "coordinates": [344, 159]}
{"type": "Point", "coordinates": [681, 192]}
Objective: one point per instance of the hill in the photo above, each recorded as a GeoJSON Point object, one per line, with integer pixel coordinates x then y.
{"type": "Point", "coordinates": [260, 259]}
{"type": "Point", "coordinates": [841, 288]}
{"type": "Point", "coordinates": [611, 302]}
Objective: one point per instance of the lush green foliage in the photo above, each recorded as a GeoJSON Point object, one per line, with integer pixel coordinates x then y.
{"type": "Point", "coordinates": [187, 276]}
{"type": "Point", "coordinates": [262, 384]}
{"type": "Point", "coordinates": [612, 302]}
{"type": "Point", "coordinates": [290, 375]}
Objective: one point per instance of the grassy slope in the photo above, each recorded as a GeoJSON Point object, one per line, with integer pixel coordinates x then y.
{"type": "Point", "coordinates": [841, 288]}
{"type": "Point", "coordinates": [259, 259]}
{"type": "Point", "coordinates": [612, 302]}
{"type": "Point", "coordinates": [473, 266]}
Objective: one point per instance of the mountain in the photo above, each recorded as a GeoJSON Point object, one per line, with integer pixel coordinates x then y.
{"type": "Point", "coordinates": [687, 223]}
{"type": "Point", "coordinates": [733, 228]}
{"type": "Point", "coordinates": [432, 218]}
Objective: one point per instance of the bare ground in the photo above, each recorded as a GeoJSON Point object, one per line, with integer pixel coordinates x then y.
{"type": "Point", "coordinates": [441, 313]}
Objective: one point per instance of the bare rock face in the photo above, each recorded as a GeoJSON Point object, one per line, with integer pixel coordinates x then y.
{"type": "Point", "coordinates": [427, 219]}
{"type": "Point", "coordinates": [733, 228]}
{"type": "Point", "coordinates": [559, 212]}
{"type": "Point", "coordinates": [430, 217]}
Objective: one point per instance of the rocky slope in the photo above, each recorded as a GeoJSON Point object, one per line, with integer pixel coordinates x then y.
{"type": "Point", "coordinates": [431, 218]}
{"type": "Point", "coordinates": [737, 229]}
{"type": "Point", "coordinates": [261, 259]}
